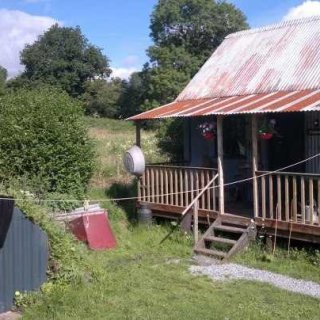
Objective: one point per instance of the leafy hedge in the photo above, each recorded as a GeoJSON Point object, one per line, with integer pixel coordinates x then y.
{"type": "Point", "coordinates": [43, 141]}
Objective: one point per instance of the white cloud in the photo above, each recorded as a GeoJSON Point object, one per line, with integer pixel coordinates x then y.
{"type": "Point", "coordinates": [306, 9]}
{"type": "Point", "coordinates": [17, 29]}
{"type": "Point", "coordinates": [123, 73]}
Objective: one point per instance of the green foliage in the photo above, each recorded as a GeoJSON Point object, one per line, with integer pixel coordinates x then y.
{"type": "Point", "coordinates": [63, 57]}
{"type": "Point", "coordinates": [102, 98]}
{"type": "Point", "coordinates": [170, 138]}
{"type": "Point", "coordinates": [3, 78]}
{"type": "Point", "coordinates": [43, 141]}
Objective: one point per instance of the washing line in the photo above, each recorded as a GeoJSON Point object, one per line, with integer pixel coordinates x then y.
{"type": "Point", "coordinates": [167, 194]}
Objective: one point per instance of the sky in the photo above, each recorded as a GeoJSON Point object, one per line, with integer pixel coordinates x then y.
{"type": "Point", "coordinates": [119, 27]}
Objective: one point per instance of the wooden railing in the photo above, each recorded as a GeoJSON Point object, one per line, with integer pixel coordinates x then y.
{"type": "Point", "coordinates": [178, 186]}
{"type": "Point", "coordinates": [289, 197]}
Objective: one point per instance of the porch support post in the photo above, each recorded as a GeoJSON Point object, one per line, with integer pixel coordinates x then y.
{"type": "Point", "coordinates": [254, 133]}
{"type": "Point", "coordinates": [138, 133]}
{"type": "Point", "coordinates": [220, 162]}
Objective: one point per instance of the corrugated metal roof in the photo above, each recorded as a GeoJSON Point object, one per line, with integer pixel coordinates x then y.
{"type": "Point", "coordinates": [280, 101]}
{"type": "Point", "coordinates": [280, 57]}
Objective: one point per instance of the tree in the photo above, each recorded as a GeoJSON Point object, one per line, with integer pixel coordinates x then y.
{"type": "Point", "coordinates": [63, 57]}
{"type": "Point", "coordinates": [102, 97]}
{"type": "Point", "coordinates": [185, 33]}
{"type": "Point", "coordinates": [3, 78]}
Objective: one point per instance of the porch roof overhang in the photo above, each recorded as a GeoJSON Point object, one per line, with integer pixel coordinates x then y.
{"type": "Point", "coordinates": [279, 101]}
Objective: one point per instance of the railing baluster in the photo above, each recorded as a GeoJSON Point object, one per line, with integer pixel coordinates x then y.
{"type": "Point", "coordinates": [263, 196]}
{"type": "Point", "coordinates": [294, 199]}
{"type": "Point", "coordinates": [271, 196]}
{"type": "Point", "coordinates": [214, 201]}
{"type": "Point", "coordinates": [181, 188]}
{"type": "Point", "coordinates": [311, 201]}
{"type": "Point", "coordinates": [286, 197]}
{"type": "Point", "coordinates": [176, 187]}
{"type": "Point", "coordinates": [303, 201]}
{"type": "Point", "coordinates": [208, 191]}
{"type": "Point", "coordinates": [161, 186]}
{"type": "Point", "coordinates": [171, 187]}
{"type": "Point", "coordinates": [279, 200]}
{"type": "Point", "coordinates": [186, 188]}
{"type": "Point", "coordinates": [152, 186]}
{"type": "Point", "coordinates": [157, 187]}
{"type": "Point", "coordinates": [166, 183]}
{"type": "Point", "coordinates": [318, 199]}
{"type": "Point", "coordinates": [191, 184]}
{"type": "Point", "coordinates": [202, 199]}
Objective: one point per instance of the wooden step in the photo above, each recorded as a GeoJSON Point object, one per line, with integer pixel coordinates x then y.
{"type": "Point", "coordinates": [229, 229]}
{"type": "Point", "coordinates": [221, 240]}
{"type": "Point", "coordinates": [209, 252]}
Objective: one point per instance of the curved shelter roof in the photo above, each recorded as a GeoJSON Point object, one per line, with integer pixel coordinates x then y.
{"type": "Point", "coordinates": [270, 69]}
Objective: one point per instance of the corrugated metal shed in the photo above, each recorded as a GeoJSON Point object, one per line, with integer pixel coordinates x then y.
{"type": "Point", "coordinates": [306, 100]}
{"type": "Point", "coordinates": [270, 69]}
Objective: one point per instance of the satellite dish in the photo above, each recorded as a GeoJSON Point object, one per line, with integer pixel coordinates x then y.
{"type": "Point", "coordinates": [134, 161]}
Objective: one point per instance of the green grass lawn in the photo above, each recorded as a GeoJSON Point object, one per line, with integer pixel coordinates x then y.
{"type": "Point", "coordinates": [141, 279]}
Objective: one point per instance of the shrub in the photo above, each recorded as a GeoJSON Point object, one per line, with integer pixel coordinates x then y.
{"type": "Point", "coordinates": [43, 141]}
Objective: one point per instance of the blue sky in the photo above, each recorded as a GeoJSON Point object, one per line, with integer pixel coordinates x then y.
{"type": "Point", "coordinates": [119, 27]}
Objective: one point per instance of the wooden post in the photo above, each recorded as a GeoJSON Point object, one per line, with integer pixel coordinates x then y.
{"type": "Point", "coordinates": [254, 132]}
{"type": "Point", "coordinates": [220, 163]}
{"type": "Point", "coordinates": [195, 221]}
{"type": "Point", "coordinates": [138, 134]}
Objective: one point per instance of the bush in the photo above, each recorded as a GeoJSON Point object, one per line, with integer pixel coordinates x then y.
{"type": "Point", "coordinates": [43, 141]}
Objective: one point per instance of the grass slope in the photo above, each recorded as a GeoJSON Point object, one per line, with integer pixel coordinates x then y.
{"type": "Point", "coordinates": [142, 280]}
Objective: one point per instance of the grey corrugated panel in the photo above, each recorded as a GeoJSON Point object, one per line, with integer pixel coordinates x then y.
{"type": "Point", "coordinates": [23, 259]}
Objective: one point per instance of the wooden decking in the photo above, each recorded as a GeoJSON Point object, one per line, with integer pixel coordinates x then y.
{"type": "Point", "coordinates": [284, 200]}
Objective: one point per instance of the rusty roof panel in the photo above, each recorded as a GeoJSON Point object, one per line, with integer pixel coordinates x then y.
{"type": "Point", "coordinates": [279, 101]}
{"type": "Point", "coordinates": [280, 57]}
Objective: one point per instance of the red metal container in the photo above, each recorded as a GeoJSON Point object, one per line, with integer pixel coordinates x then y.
{"type": "Point", "coordinates": [94, 229]}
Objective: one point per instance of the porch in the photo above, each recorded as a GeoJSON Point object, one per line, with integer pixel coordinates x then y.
{"type": "Point", "coordinates": [285, 202]}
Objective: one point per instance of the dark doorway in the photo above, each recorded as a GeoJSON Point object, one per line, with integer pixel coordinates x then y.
{"type": "Point", "coordinates": [287, 145]}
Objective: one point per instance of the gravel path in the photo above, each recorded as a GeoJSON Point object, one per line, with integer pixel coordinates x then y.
{"type": "Point", "coordinates": [231, 271]}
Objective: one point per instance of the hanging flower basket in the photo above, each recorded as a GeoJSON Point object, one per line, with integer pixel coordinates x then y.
{"type": "Point", "coordinates": [209, 136]}
{"type": "Point", "coordinates": [208, 130]}
{"type": "Point", "coordinates": [267, 130]}
{"type": "Point", "coordinates": [265, 135]}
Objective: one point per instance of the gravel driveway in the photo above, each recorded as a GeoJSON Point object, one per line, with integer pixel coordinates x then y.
{"type": "Point", "coordinates": [230, 271]}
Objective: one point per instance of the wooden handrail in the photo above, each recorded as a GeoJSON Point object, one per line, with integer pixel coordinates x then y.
{"type": "Point", "coordinates": [199, 195]}
{"type": "Point", "coordinates": [282, 173]}
{"type": "Point", "coordinates": [179, 167]}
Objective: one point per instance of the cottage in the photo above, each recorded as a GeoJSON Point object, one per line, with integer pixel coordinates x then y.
{"type": "Point", "coordinates": [251, 135]}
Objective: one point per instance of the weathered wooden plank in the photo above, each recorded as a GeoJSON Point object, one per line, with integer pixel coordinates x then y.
{"type": "Point", "coordinates": [161, 186]}
{"type": "Point", "coordinates": [166, 184]}
{"type": "Point", "coordinates": [271, 196]}
{"type": "Point", "coordinates": [171, 187]}
{"type": "Point", "coordinates": [279, 198]}
{"type": "Point", "coordinates": [202, 184]}
{"type": "Point", "coordinates": [181, 188]}
{"type": "Point", "coordinates": [208, 202]}
{"type": "Point", "coordinates": [186, 187]}
{"type": "Point", "coordinates": [176, 187]}
{"type": "Point", "coordinates": [263, 196]}
{"type": "Point", "coordinates": [311, 201]}
{"type": "Point", "coordinates": [294, 199]}
{"type": "Point", "coordinates": [303, 200]}
{"type": "Point", "coordinates": [195, 222]}
{"type": "Point", "coordinates": [157, 181]}
{"type": "Point", "coordinates": [286, 198]}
